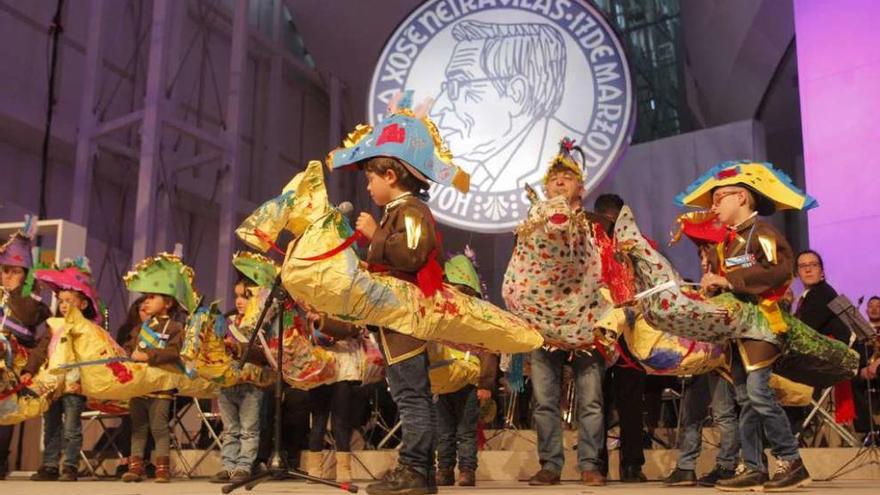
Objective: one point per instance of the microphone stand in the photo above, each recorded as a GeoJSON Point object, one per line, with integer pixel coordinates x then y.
{"type": "Point", "coordinates": [278, 469]}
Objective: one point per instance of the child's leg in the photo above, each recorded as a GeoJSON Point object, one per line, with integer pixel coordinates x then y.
{"type": "Point", "coordinates": [249, 416]}
{"type": "Point", "coordinates": [52, 435]}
{"type": "Point", "coordinates": [411, 391]}
{"type": "Point", "coordinates": [466, 429]}
{"type": "Point", "coordinates": [73, 407]}
{"type": "Point", "coordinates": [320, 399]}
{"type": "Point", "coordinates": [228, 400]}
{"type": "Point", "coordinates": [446, 426]}
{"type": "Point", "coordinates": [138, 410]}
{"type": "Point", "coordinates": [159, 410]}
{"type": "Point", "coordinates": [341, 407]}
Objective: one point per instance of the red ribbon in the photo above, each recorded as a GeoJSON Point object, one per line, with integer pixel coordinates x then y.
{"type": "Point", "coordinates": [356, 236]}
{"type": "Point", "coordinates": [268, 240]}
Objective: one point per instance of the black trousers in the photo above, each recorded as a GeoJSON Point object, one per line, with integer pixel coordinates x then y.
{"type": "Point", "coordinates": [5, 443]}
{"type": "Point", "coordinates": [623, 389]}
{"type": "Point", "coordinates": [332, 402]}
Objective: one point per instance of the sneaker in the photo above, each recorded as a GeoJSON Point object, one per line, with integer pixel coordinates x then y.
{"type": "Point", "coordinates": [632, 474]}
{"type": "Point", "coordinates": [403, 480]}
{"type": "Point", "coordinates": [68, 474]}
{"type": "Point", "coordinates": [544, 477]}
{"type": "Point", "coordinates": [592, 478]}
{"type": "Point", "coordinates": [715, 475]}
{"type": "Point", "coordinates": [222, 476]}
{"type": "Point", "coordinates": [239, 475]}
{"type": "Point", "coordinates": [445, 476]}
{"type": "Point", "coordinates": [788, 475]}
{"type": "Point", "coordinates": [681, 477]}
{"type": "Point", "coordinates": [749, 480]}
{"type": "Point", "coordinates": [45, 473]}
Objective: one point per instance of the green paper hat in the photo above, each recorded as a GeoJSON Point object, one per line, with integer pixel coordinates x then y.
{"type": "Point", "coordinates": [257, 268]}
{"type": "Point", "coordinates": [164, 274]}
{"type": "Point", "coordinates": [460, 270]}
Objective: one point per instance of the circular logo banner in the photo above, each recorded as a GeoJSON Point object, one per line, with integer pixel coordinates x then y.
{"type": "Point", "coordinates": [510, 79]}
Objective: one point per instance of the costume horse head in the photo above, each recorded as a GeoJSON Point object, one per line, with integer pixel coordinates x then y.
{"type": "Point", "coordinates": [554, 278]}
{"type": "Point", "coordinates": [322, 270]}
{"type": "Point", "coordinates": [105, 369]}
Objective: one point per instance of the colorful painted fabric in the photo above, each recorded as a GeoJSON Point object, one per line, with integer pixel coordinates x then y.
{"type": "Point", "coordinates": [807, 356]}
{"type": "Point", "coordinates": [554, 276]}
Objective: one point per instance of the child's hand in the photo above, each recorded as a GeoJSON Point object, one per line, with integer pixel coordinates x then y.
{"type": "Point", "coordinates": [25, 378]}
{"type": "Point", "coordinates": [366, 224]}
{"type": "Point", "coordinates": [712, 281]}
{"type": "Point", "coordinates": [483, 394]}
{"type": "Point", "coordinates": [140, 356]}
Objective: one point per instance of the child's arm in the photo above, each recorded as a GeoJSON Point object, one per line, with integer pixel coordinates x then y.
{"type": "Point", "coordinates": [488, 375]}
{"type": "Point", "coordinates": [404, 242]}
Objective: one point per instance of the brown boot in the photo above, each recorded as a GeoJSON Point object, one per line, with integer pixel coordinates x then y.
{"type": "Point", "coordinates": [343, 467]}
{"type": "Point", "coordinates": [135, 470]}
{"type": "Point", "coordinates": [467, 477]}
{"type": "Point", "coordinates": [163, 470]}
{"type": "Point", "coordinates": [544, 477]}
{"type": "Point", "coordinates": [592, 478]}
{"type": "Point", "coordinates": [445, 476]}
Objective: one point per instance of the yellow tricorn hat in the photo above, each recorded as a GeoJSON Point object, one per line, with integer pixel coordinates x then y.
{"type": "Point", "coordinates": [772, 188]}
{"type": "Point", "coordinates": [564, 160]}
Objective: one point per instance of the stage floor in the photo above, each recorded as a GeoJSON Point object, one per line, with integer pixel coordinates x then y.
{"type": "Point", "coordinates": [21, 486]}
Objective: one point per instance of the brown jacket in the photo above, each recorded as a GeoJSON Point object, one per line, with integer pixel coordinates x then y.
{"type": "Point", "coordinates": [29, 312]}
{"type": "Point", "coordinates": [770, 268]}
{"type": "Point", "coordinates": [403, 242]}
{"type": "Point", "coordinates": [170, 355]}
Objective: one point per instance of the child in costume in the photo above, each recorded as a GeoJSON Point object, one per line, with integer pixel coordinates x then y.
{"type": "Point", "coordinates": [399, 157]}
{"type": "Point", "coordinates": [168, 286]}
{"type": "Point", "coordinates": [21, 311]}
{"type": "Point", "coordinates": [755, 263]}
{"type": "Point", "coordinates": [240, 404]}
{"type": "Point", "coordinates": [62, 426]}
{"type": "Point", "coordinates": [457, 412]}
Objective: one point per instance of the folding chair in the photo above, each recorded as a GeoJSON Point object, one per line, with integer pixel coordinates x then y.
{"type": "Point", "coordinates": [107, 440]}
{"type": "Point", "coordinates": [179, 411]}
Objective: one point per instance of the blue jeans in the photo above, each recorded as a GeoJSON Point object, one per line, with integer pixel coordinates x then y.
{"type": "Point", "coordinates": [62, 427]}
{"type": "Point", "coordinates": [698, 394]}
{"type": "Point", "coordinates": [457, 428]}
{"type": "Point", "coordinates": [759, 407]}
{"type": "Point", "coordinates": [547, 389]}
{"type": "Point", "coordinates": [240, 407]}
{"type": "Point", "coordinates": [411, 391]}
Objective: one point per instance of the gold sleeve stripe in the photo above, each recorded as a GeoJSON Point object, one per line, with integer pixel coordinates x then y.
{"type": "Point", "coordinates": [413, 231]}
{"type": "Point", "coordinates": [768, 244]}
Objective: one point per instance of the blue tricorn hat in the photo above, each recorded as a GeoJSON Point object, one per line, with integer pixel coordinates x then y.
{"type": "Point", "coordinates": [407, 135]}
